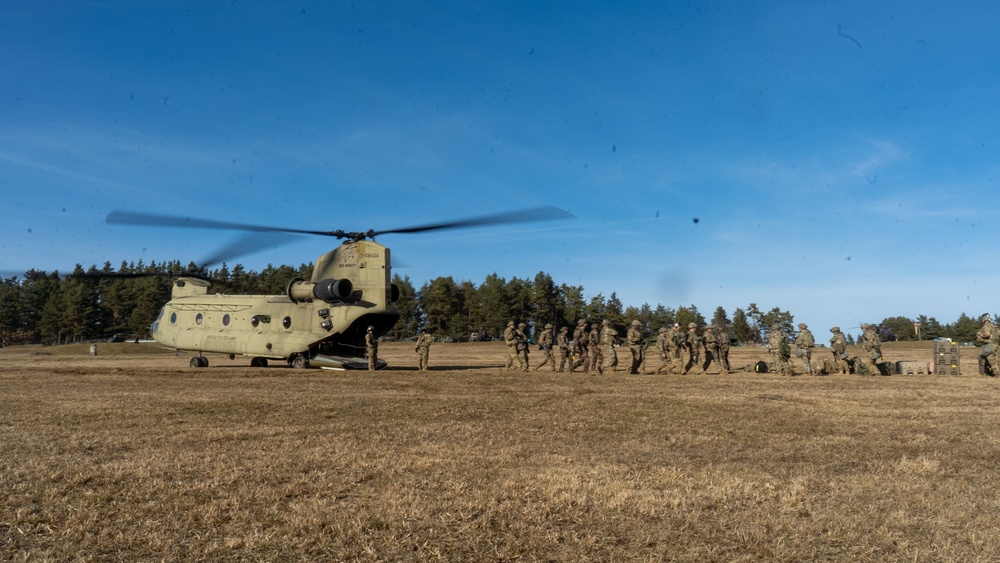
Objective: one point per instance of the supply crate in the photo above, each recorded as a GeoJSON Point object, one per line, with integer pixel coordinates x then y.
{"type": "Point", "coordinates": [912, 368]}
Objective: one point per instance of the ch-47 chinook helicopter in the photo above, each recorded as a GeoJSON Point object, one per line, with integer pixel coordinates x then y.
{"type": "Point", "coordinates": [317, 323]}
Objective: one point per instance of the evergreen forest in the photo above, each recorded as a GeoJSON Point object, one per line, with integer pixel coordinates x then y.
{"type": "Point", "coordinates": [96, 303]}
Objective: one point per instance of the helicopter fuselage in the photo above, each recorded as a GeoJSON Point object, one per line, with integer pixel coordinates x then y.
{"type": "Point", "coordinates": [321, 322]}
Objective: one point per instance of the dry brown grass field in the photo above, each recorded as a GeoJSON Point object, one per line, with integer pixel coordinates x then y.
{"type": "Point", "coordinates": [134, 456]}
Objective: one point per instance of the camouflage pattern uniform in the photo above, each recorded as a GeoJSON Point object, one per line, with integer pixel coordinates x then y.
{"type": "Point", "coordinates": [635, 345]}
{"type": "Point", "coordinates": [663, 348]}
{"type": "Point", "coordinates": [423, 349]}
{"type": "Point", "coordinates": [371, 348]}
{"type": "Point", "coordinates": [608, 336]}
{"type": "Point", "coordinates": [722, 335]}
{"type": "Point", "coordinates": [711, 344]}
{"type": "Point", "coordinates": [839, 345]}
{"type": "Point", "coordinates": [596, 355]}
{"type": "Point", "coordinates": [562, 341]}
{"type": "Point", "coordinates": [522, 346]}
{"type": "Point", "coordinates": [804, 344]}
{"type": "Point", "coordinates": [675, 345]}
{"type": "Point", "coordinates": [989, 335]}
{"type": "Point", "coordinates": [545, 343]}
{"type": "Point", "coordinates": [580, 349]}
{"type": "Point", "coordinates": [777, 346]}
{"type": "Point", "coordinates": [510, 338]}
{"type": "Point", "coordinates": [692, 343]}
{"type": "Point", "coordinates": [872, 346]}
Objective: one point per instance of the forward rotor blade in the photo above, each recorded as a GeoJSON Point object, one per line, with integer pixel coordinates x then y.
{"type": "Point", "coordinates": [146, 219]}
{"type": "Point", "coordinates": [546, 213]}
{"type": "Point", "coordinates": [247, 244]}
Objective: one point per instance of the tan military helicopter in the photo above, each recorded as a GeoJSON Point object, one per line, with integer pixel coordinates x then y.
{"type": "Point", "coordinates": [317, 323]}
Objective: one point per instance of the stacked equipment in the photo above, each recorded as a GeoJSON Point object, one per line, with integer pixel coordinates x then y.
{"type": "Point", "coordinates": [946, 358]}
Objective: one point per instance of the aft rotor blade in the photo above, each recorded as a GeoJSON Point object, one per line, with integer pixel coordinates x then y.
{"type": "Point", "coordinates": [546, 213]}
{"type": "Point", "coordinates": [145, 219]}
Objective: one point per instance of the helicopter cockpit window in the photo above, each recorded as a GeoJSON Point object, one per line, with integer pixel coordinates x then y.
{"type": "Point", "coordinates": [286, 322]}
{"type": "Point", "coordinates": [198, 318]}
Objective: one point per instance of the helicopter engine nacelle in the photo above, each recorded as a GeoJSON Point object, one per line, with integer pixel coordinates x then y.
{"type": "Point", "coordinates": [329, 290]}
{"type": "Point", "coordinates": [333, 290]}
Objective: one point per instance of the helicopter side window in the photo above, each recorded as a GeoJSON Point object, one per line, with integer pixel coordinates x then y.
{"type": "Point", "coordinates": [225, 320]}
{"type": "Point", "coordinates": [198, 318]}
{"type": "Point", "coordinates": [286, 322]}
{"type": "Point", "coordinates": [173, 318]}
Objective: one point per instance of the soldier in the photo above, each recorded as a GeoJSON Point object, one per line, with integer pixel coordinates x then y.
{"type": "Point", "coordinates": [663, 349]}
{"type": "Point", "coordinates": [711, 345]}
{"type": "Point", "coordinates": [522, 346]}
{"type": "Point", "coordinates": [675, 345]}
{"type": "Point", "coordinates": [635, 345]}
{"type": "Point", "coordinates": [989, 335]}
{"type": "Point", "coordinates": [777, 346]}
{"type": "Point", "coordinates": [872, 346]}
{"type": "Point", "coordinates": [510, 339]}
{"type": "Point", "coordinates": [692, 343]}
{"type": "Point", "coordinates": [545, 343]}
{"type": "Point", "coordinates": [371, 348]}
{"type": "Point", "coordinates": [608, 336]}
{"type": "Point", "coordinates": [596, 354]}
{"type": "Point", "coordinates": [722, 335]}
{"type": "Point", "coordinates": [562, 341]}
{"type": "Point", "coordinates": [804, 344]}
{"type": "Point", "coordinates": [423, 349]}
{"type": "Point", "coordinates": [580, 348]}
{"type": "Point", "coordinates": [838, 343]}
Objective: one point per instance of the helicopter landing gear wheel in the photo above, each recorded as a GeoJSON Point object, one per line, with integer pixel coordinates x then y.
{"type": "Point", "coordinates": [199, 362]}
{"type": "Point", "coordinates": [300, 362]}
{"type": "Point", "coordinates": [258, 362]}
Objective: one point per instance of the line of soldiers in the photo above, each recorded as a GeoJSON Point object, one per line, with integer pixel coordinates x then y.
{"type": "Point", "coordinates": [593, 349]}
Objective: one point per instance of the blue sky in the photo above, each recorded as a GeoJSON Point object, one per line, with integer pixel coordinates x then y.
{"type": "Point", "coordinates": [841, 158]}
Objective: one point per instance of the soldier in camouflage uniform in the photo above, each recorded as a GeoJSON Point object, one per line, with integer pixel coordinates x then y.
{"type": "Point", "coordinates": [522, 346]}
{"type": "Point", "coordinates": [804, 344]}
{"type": "Point", "coordinates": [562, 341]}
{"type": "Point", "coordinates": [989, 335]}
{"type": "Point", "coordinates": [545, 343]}
{"type": "Point", "coordinates": [596, 354]}
{"type": "Point", "coordinates": [608, 336]}
{"type": "Point", "coordinates": [580, 347]}
{"type": "Point", "coordinates": [371, 348]}
{"type": "Point", "coordinates": [872, 346]}
{"type": "Point", "coordinates": [692, 344]}
{"type": "Point", "coordinates": [423, 349]}
{"type": "Point", "coordinates": [663, 349]}
{"type": "Point", "coordinates": [711, 345]}
{"type": "Point", "coordinates": [635, 345]}
{"type": "Point", "coordinates": [722, 335]}
{"type": "Point", "coordinates": [777, 346]}
{"type": "Point", "coordinates": [838, 343]}
{"type": "Point", "coordinates": [510, 338]}
{"type": "Point", "coordinates": [675, 345]}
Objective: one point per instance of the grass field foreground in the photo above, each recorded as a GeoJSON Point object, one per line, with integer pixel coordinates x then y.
{"type": "Point", "coordinates": [139, 457]}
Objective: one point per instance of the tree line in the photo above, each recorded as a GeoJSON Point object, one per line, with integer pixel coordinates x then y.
{"type": "Point", "coordinates": [95, 303]}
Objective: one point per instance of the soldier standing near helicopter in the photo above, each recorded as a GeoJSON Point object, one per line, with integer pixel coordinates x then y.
{"type": "Point", "coordinates": [371, 348]}
{"type": "Point", "coordinates": [423, 348]}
